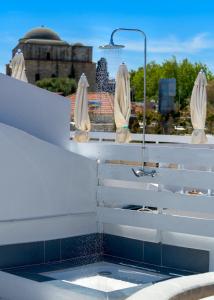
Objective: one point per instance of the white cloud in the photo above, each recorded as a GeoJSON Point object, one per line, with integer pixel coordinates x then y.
{"type": "Point", "coordinates": [168, 45]}
{"type": "Point", "coordinates": [174, 45]}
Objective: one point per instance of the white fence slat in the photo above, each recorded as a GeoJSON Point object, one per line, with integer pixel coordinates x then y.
{"type": "Point", "coordinates": [119, 197]}
{"type": "Point", "coordinates": [123, 184]}
{"type": "Point", "coordinates": [165, 176]}
{"type": "Point", "coordinates": [177, 154]}
{"type": "Point", "coordinates": [172, 223]}
{"type": "Point", "coordinates": [195, 156]}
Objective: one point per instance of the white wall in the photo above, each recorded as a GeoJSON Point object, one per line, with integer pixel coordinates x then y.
{"type": "Point", "coordinates": [41, 187]}
{"type": "Point", "coordinates": [48, 228]}
{"type": "Point", "coordinates": [18, 288]}
{"type": "Point", "coordinates": [41, 113]}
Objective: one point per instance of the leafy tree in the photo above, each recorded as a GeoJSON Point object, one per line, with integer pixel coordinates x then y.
{"type": "Point", "coordinates": [154, 72]}
{"type": "Point", "coordinates": [210, 123]}
{"type": "Point", "coordinates": [187, 73]}
{"type": "Point", "coordinates": [153, 121]}
{"type": "Point", "coordinates": [184, 72]}
{"type": "Point", "coordinates": [210, 92]}
{"type": "Point", "coordinates": [210, 118]}
{"type": "Point", "coordinates": [169, 68]}
{"type": "Point", "coordinates": [65, 86]}
{"type": "Point", "coordinates": [137, 79]}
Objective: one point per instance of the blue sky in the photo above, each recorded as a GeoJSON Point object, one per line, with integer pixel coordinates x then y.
{"type": "Point", "coordinates": [176, 27]}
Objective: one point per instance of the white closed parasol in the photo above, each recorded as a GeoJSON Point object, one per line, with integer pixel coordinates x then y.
{"type": "Point", "coordinates": [81, 116]}
{"type": "Point", "coordinates": [198, 109]}
{"type": "Point", "coordinates": [122, 105]}
{"type": "Point", "coordinates": [18, 66]}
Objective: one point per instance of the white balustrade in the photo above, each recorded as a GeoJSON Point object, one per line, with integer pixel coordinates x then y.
{"type": "Point", "coordinates": [181, 192]}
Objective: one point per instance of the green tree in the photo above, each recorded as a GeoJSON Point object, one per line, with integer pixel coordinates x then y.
{"type": "Point", "coordinates": [137, 80]}
{"type": "Point", "coordinates": [169, 68]}
{"type": "Point", "coordinates": [210, 118]}
{"type": "Point", "coordinates": [154, 72]}
{"type": "Point", "coordinates": [184, 72]}
{"type": "Point", "coordinates": [65, 86]}
{"type": "Point", "coordinates": [153, 121]}
{"type": "Point", "coordinates": [187, 73]}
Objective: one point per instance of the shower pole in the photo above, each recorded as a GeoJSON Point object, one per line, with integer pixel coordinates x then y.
{"type": "Point", "coordinates": [140, 172]}
{"type": "Point", "coordinates": [144, 81]}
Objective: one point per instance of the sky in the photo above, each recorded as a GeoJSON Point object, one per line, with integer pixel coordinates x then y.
{"type": "Point", "coordinates": [181, 28]}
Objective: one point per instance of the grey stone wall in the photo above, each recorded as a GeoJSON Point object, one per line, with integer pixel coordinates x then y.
{"type": "Point", "coordinates": [61, 52]}
{"type": "Point", "coordinates": [57, 60]}
{"type": "Point", "coordinates": [54, 68]}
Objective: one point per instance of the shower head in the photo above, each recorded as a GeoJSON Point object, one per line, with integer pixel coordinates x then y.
{"type": "Point", "coordinates": [111, 45]}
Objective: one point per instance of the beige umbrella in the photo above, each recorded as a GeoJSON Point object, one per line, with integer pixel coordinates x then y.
{"type": "Point", "coordinates": [18, 66]}
{"type": "Point", "coordinates": [122, 105]}
{"type": "Point", "coordinates": [81, 116]}
{"type": "Point", "coordinates": [198, 109]}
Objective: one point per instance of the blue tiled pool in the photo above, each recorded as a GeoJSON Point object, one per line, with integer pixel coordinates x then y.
{"type": "Point", "coordinates": [113, 280]}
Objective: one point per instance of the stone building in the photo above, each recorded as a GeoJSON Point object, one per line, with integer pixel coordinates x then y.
{"type": "Point", "coordinates": [46, 55]}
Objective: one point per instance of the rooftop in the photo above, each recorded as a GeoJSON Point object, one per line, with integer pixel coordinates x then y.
{"type": "Point", "coordinates": [99, 103]}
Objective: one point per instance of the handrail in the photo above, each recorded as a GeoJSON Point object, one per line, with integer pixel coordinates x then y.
{"type": "Point", "coordinates": [152, 138]}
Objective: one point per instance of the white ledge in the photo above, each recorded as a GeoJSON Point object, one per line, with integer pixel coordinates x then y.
{"type": "Point", "coordinates": [187, 287]}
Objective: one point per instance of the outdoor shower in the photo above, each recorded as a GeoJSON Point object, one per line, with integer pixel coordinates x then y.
{"type": "Point", "coordinates": [141, 171]}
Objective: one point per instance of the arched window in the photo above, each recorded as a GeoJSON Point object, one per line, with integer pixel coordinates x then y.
{"type": "Point", "coordinates": [48, 56]}
{"type": "Point", "coordinates": [72, 73]}
{"type": "Point", "coordinates": [37, 76]}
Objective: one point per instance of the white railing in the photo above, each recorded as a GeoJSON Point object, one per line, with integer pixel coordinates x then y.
{"type": "Point", "coordinates": [181, 168]}
{"type": "Point", "coordinates": [155, 138]}
{"type": "Point", "coordinates": [182, 154]}
{"type": "Point", "coordinates": [180, 171]}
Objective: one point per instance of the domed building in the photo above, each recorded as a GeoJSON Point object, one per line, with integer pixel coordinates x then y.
{"type": "Point", "coordinates": [46, 55]}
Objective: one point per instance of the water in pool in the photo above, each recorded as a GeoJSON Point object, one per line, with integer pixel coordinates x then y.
{"type": "Point", "coordinates": [116, 281]}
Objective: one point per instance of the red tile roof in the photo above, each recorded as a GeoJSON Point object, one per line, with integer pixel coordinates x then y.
{"type": "Point", "coordinates": [100, 103]}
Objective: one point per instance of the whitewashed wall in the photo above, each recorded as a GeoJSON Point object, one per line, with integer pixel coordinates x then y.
{"type": "Point", "coordinates": [41, 113]}
{"type": "Point", "coordinates": [18, 288]}
{"type": "Point", "coordinates": [43, 189]}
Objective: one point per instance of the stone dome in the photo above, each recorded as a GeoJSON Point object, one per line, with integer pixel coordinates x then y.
{"type": "Point", "coordinates": [78, 44]}
{"type": "Point", "coordinates": [41, 33]}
